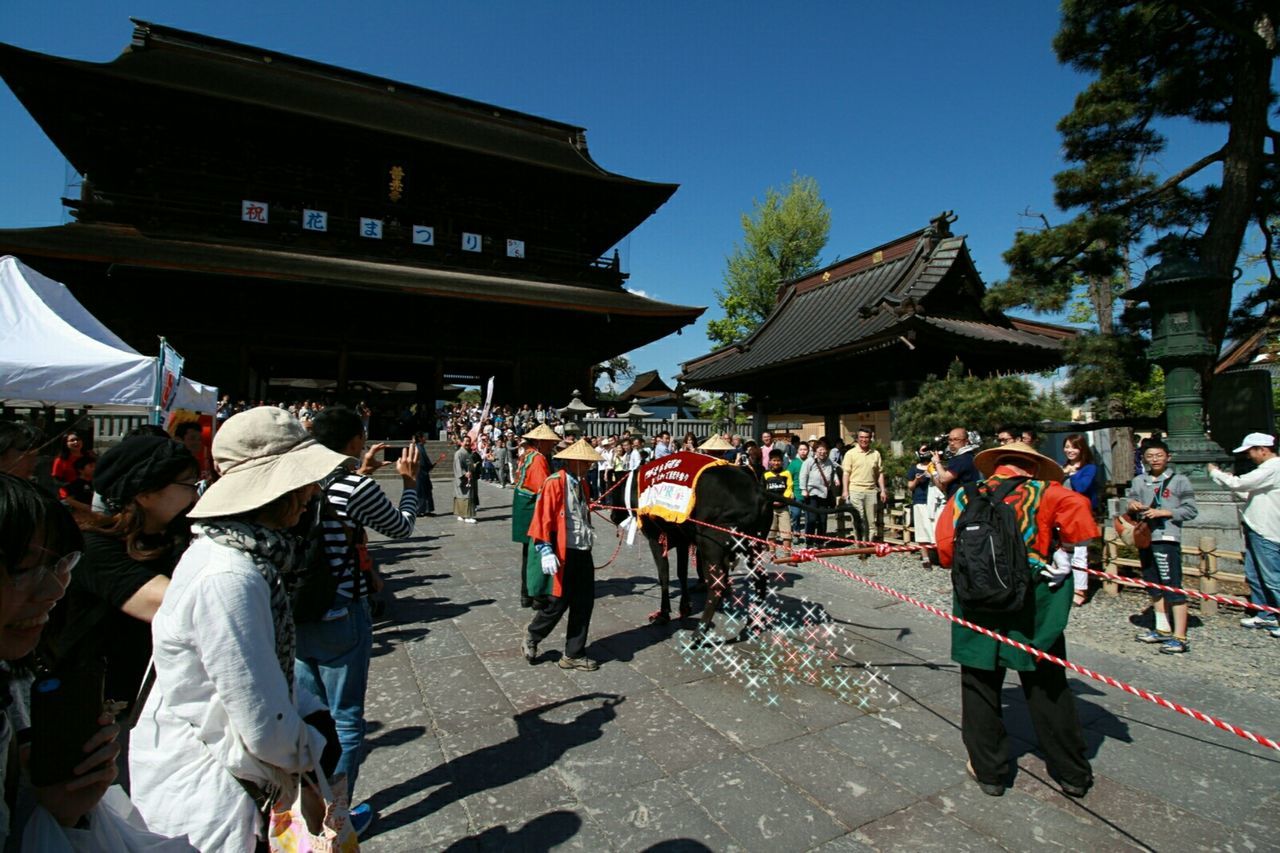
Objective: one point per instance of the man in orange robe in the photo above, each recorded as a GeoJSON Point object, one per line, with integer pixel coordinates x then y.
{"type": "Point", "coordinates": [562, 537]}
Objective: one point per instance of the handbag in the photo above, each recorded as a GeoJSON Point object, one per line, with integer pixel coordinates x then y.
{"type": "Point", "coordinates": [1136, 534]}
{"type": "Point", "coordinates": [317, 821]}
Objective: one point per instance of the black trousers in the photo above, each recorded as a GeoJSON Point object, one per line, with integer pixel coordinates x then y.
{"type": "Point", "coordinates": [1053, 714]}
{"type": "Point", "coordinates": [578, 598]}
{"type": "Point", "coordinates": [525, 601]}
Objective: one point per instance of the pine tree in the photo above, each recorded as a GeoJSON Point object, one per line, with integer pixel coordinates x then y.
{"type": "Point", "coordinates": [1152, 60]}
{"type": "Point", "coordinates": [961, 399]}
{"type": "Point", "coordinates": [782, 238]}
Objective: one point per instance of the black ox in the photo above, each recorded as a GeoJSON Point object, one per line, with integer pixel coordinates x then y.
{"type": "Point", "coordinates": [727, 496]}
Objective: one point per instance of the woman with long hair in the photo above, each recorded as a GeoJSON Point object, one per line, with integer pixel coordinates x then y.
{"type": "Point", "coordinates": [148, 483]}
{"type": "Point", "coordinates": [1081, 477]}
{"type": "Point", "coordinates": [65, 470]}
{"type": "Point", "coordinates": [226, 725]}
{"type": "Point", "coordinates": [39, 547]}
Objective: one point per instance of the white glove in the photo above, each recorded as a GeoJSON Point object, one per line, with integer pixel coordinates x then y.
{"type": "Point", "coordinates": [1059, 570]}
{"type": "Point", "coordinates": [549, 564]}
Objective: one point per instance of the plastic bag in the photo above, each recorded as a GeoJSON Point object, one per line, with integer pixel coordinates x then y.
{"type": "Point", "coordinates": [115, 826]}
{"type": "Point", "coordinates": [316, 822]}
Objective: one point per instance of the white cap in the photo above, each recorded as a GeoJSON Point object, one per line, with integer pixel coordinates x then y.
{"type": "Point", "coordinates": [1256, 439]}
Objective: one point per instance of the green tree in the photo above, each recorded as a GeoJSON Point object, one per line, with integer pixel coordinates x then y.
{"type": "Point", "coordinates": [725, 410]}
{"type": "Point", "coordinates": [1153, 61]}
{"type": "Point", "coordinates": [979, 403]}
{"type": "Point", "coordinates": [782, 238]}
{"type": "Point", "coordinates": [617, 367]}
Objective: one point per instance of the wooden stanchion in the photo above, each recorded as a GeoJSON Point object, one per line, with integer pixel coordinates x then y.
{"type": "Point", "coordinates": [1111, 553]}
{"type": "Point", "coordinates": [1208, 570]}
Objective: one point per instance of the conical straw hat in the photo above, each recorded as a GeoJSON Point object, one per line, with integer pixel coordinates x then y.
{"type": "Point", "coordinates": [541, 433]}
{"type": "Point", "coordinates": [580, 449]}
{"type": "Point", "coordinates": [716, 442]}
{"type": "Point", "coordinates": [1043, 467]}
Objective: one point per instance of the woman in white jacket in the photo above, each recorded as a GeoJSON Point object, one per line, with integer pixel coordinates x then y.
{"type": "Point", "coordinates": [225, 722]}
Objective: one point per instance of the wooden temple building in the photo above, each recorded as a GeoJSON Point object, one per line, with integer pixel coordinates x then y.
{"type": "Point", "coordinates": [845, 343]}
{"type": "Point", "coordinates": [276, 217]}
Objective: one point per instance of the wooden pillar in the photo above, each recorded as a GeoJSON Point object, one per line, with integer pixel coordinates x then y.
{"type": "Point", "coordinates": [246, 373]}
{"type": "Point", "coordinates": [1110, 551]}
{"type": "Point", "coordinates": [759, 421]}
{"type": "Point", "coordinates": [1208, 570]}
{"type": "Point", "coordinates": [831, 426]}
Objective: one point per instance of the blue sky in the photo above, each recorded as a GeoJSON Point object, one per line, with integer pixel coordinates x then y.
{"type": "Point", "coordinates": [899, 110]}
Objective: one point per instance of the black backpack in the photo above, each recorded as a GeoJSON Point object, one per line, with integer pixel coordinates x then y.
{"type": "Point", "coordinates": [989, 570]}
{"type": "Point", "coordinates": [314, 586]}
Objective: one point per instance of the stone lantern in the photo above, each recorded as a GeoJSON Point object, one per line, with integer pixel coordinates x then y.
{"type": "Point", "coordinates": [576, 409]}
{"type": "Point", "coordinates": [635, 415]}
{"type": "Point", "coordinates": [1182, 294]}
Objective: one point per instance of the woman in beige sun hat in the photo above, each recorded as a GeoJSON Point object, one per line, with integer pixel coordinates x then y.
{"type": "Point", "coordinates": [225, 715]}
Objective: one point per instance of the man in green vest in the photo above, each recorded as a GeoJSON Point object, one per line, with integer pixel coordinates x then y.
{"type": "Point", "coordinates": [532, 473]}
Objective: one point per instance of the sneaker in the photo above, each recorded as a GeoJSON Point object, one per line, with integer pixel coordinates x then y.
{"type": "Point", "coordinates": [459, 518]}
{"type": "Point", "coordinates": [1150, 636]}
{"type": "Point", "coordinates": [361, 817]}
{"type": "Point", "coordinates": [1275, 632]}
{"type": "Point", "coordinates": [1259, 621]}
{"type": "Point", "coordinates": [988, 788]}
{"type": "Point", "coordinates": [585, 664]}
{"type": "Point", "coordinates": [529, 648]}
{"type": "Point", "coordinates": [1174, 646]}
{"type": "Point", "coordinates": [469, 520]}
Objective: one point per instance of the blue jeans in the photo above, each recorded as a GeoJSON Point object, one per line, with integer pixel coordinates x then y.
{"type": "Point", "coordinates": [333, 663]}
{"type": "Point", "coordinates": [1262, 568]}
{"type": "Point", "coordinates": [798, 520]}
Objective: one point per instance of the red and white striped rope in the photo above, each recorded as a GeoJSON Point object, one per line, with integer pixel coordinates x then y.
{"type": "Point", "coordinates": [1031, 650]}
{"type": "Point", "coordinates": [1224, 599]}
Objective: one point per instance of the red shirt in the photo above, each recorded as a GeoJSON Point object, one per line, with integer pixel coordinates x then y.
{"type": "Point", "coordinates": [1042, 508]}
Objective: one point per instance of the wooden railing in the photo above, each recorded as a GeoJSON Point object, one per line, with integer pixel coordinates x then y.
{"type": "Point", "coordinates": [1199, 560]}
{"type": "Point", "coordinates": [649, 427]}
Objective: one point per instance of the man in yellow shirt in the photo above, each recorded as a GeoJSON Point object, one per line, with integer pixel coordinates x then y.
{"type": "Point", "coordinates": [863, 484]}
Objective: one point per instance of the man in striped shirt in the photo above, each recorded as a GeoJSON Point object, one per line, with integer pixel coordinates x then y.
{"type": "Point", "coordinates": [333, 653]}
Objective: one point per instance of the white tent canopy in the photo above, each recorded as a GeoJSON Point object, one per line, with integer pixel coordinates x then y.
{"type": "Point", "coordinates": [54, 352]}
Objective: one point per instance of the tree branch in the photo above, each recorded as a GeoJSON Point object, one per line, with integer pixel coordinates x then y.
{"type": "Point", "coordinates": [1212, 18]}
{"type": "Point", "coordinates": [1173, 180]}
{"type": "Point", "coordinates": [1266, 244]}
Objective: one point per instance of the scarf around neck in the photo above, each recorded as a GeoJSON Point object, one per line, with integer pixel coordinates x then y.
{"type": "Point", "coordinates": [274, 554]}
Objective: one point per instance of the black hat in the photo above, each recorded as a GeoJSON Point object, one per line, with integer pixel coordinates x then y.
{"type": "Point", "coordinates": [138, 464]}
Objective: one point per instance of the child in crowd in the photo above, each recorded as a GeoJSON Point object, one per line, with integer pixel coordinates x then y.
{"type": "Point", "coordinates": [1165, 501]}
{"type": "Point", "coordinates": [78, 494]}
{"type": "Point", "coordinates": [778, 482]}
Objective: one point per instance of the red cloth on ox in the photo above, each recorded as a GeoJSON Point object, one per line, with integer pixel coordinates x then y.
{"type": "Point", "coordinates": [665, 487]}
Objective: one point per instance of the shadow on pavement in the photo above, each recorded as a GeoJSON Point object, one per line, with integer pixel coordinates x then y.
{"type": "Point", "coordinates": [537, 745]}
{"type": "Point", "coordinates": [542, 833]}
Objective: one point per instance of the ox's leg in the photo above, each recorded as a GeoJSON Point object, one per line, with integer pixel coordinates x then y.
{"type": "Point", "coordinates": [662, 615]}
{"type": "Point", "coordinates": [718, 562]}
{"type": "Point", "coordinates": [757, 583]}
{"type": "Point", "coordinates": [682, 572]}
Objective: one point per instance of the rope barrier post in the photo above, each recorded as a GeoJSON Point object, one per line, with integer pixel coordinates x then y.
{"type": "Point", "coordinates": [1111, 552]}
{"type": "Point", "coordinates": [1208, 568]}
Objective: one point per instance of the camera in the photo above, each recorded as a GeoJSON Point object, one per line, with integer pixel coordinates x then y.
{"type": "Point", "coordinates": [940, 445]}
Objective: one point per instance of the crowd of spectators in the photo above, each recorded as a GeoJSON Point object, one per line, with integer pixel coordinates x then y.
{"type": "Point", "coordinates": [258, 640]}
{"type": "Point", "coordinates": [250, 695]}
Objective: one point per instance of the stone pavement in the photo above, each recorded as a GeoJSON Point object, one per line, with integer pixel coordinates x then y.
{"type": "Point", "coordinates": [837, 731]}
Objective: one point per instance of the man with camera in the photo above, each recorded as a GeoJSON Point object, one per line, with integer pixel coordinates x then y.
{"type": "Point", "coordinates": [955, 465]}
